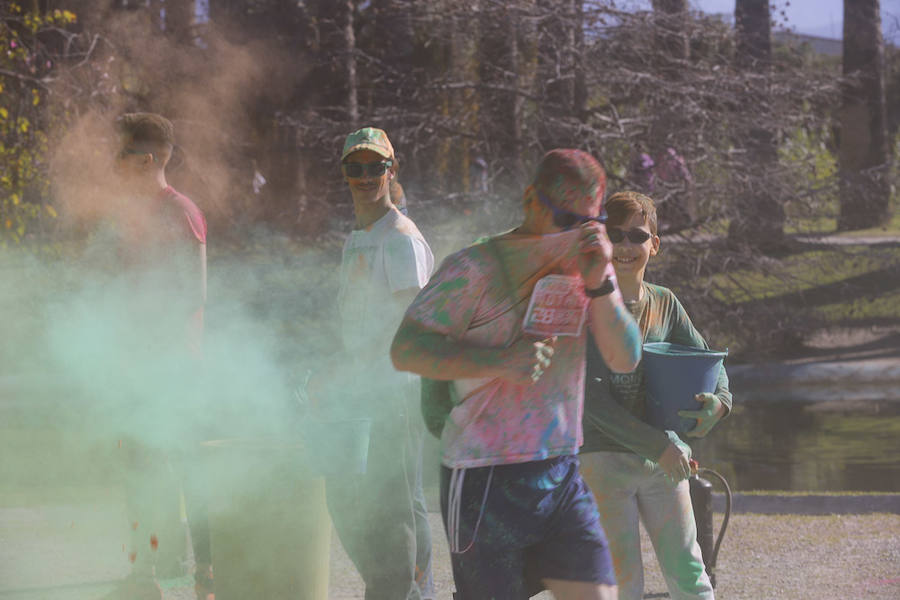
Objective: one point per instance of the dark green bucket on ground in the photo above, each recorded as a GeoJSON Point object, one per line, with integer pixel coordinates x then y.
{"type": "Point", "coordinates": [270, 532]}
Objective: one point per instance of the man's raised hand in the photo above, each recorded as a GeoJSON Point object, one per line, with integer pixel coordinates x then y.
{"type": "Point", "coordinates": [528, 360]}
{"type": "Point", "coordinates": [594, 253]}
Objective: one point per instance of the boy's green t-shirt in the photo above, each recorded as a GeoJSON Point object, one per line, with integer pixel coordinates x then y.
{"type": "Point", "coordinates": [614, 403]}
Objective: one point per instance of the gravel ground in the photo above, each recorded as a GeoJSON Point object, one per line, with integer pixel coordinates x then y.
{"type": "Point", "coordinates": [762, 557]}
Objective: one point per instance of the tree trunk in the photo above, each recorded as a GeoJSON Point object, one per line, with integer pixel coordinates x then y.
{"type": "Point", "coordinates": [179, 20]}
{"type": "Point", "coordinates": [557, 57]}
{"type": "Point", "coordinates": [673, 187]}
{"type": "Point", "coordinates": [759, 212]}
{"type": "Point", "coordinates": [391, 81]}
{"type": "Point", "coordinates": [579, 89]}
{"type": "Point", "coordinates": [864, 153]}
{"type": "Point", "coordinates": [671, 18]}
{"type": "Point", "coordinates": [754, 44]}
{"type": "Point", "coordinates": [346, 24]}
{"type": "Point", "coordinates": [499, 72]}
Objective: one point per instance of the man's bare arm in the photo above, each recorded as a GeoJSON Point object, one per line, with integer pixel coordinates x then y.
{"type": "Point", "coordinates": [437, 356]}
{"type": "Point", "coordinates": [616, 333]}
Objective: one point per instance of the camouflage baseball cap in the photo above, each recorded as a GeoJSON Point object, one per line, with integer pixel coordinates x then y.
{"type": "Point", "coordinates": [573, 179]}
{"type": "Point", "coordinates": [368, 138]}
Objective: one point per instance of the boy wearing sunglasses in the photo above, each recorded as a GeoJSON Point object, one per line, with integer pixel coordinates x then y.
{"type": "Point", "coordinates": [637, 471]}
{"type": "Point", "coordinates": [518, 517]}
{"type": "Point", "coordinates": [381, 516]}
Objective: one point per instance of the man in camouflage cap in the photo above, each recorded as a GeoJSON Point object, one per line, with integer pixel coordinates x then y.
{"type": "Point", "coordinates": [381, 516]}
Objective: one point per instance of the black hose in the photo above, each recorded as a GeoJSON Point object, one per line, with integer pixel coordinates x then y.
{"type": "Point", "coordinates": [715, 554]}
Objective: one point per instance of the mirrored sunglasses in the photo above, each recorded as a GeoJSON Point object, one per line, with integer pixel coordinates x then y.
{"type": "Point", "coordinates": [565, 219]}
{"type": "Point", "coordinates": [635, 236]}
{"type": "Point", "coordinates": [357, 170]}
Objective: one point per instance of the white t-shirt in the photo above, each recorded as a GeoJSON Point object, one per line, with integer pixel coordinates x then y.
{"type": "Point", "coordinates": [387, 257]}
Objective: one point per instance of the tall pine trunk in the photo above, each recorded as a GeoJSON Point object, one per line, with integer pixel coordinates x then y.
{"type": "Point", "coordinates": [500, 71]}
{"type": "Point", "coordinates": [671, 18]}
{"type": "Point", "coordinates": [673, 193]}
{"type": "Point", "coordinates": [346, 24]}
{"type": "Point", "coordinates": [560, 29]}
{"type": "Point", "coordinates": [864, 150]}
{"type": "Point", "coordinates": [759, 217]}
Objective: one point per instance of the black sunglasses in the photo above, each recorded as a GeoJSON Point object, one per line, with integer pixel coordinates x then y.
{"type": "Point", "coordinates": [565, 219]}
{"type": "Point", "coordinates": [635, 236]}
{"type": "Point", "coordinates": [356, 170]}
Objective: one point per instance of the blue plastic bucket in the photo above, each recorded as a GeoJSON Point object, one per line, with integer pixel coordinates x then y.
{"type": "Point", "coordinates": [674, 375]}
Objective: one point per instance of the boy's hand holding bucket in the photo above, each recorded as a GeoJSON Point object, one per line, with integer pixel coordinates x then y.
{"type": "Point", "coordinates": [678, 379]}
{"type": "Point", "coordinates": [711, 413]}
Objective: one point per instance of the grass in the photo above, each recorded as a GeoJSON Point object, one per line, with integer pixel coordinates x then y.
{"type": "Point", "coordinates": [883, 306]}
{"type": "Point", "coordinates": [802, 271]}
{"type": "Point", "coordinates": [829, 225]}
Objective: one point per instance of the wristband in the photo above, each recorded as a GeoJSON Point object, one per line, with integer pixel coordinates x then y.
{"type": "Point", "coordinates": [604, 289]}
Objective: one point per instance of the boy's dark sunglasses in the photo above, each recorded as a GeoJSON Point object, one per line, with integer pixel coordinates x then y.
{"type": "Point", "coordinates": [356, 170]}
{"type": "Point", "coordinates": [565, 219]}
{"type": "Point", "coordinates": [635, 236]}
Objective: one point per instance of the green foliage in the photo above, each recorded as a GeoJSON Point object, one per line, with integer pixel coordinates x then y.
{"type": "Point", "coordinates": [813, 207]}
{"type": "Point", "coordinates": [25, 64]}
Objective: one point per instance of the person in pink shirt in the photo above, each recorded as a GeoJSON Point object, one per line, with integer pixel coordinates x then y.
{"type": "Point", "coordinates": [158, 260]}
{"type": "Point", "coordinates": [506, 321]}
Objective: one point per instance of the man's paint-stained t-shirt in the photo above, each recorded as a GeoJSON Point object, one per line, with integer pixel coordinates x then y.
{"type": "Point", "coordinates": [387, 257]}
{"type": "Point", "coordinates": [479, 296]}
{"type": "Point", "coordinates": [616, 401]}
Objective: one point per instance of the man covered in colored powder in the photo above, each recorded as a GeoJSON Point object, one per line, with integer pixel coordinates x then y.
{"type": "Point", "coordinates": [517, 514]}
{"type": "Point", "coordinates": [636, 471]}
{"type": "Point", "coordinates": [380, 516]}
{"type": "Point", "coordinates": [155, 255]}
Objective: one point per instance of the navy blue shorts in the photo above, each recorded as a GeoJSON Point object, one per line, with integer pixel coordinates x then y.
{"type": "Point", "coordinates": [510, 526]}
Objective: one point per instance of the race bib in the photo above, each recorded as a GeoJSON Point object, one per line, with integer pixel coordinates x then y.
{"type": "Point", "coordinates": [557, 307]}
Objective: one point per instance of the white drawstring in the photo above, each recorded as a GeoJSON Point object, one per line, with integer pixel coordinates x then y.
{"type": "Point", "coordinates": [453, 500]}
{"type": "Point", "coordinates": [454, 505]}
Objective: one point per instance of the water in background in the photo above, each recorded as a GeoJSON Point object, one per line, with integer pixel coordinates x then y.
{"type": "Point", "coordinates": [790, 444]}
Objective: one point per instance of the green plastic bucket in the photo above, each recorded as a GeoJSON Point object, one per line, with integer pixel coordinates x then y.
{"type": "Point", "coordinates": [270, 532]}
{"type": "Point", "coordinates": [674, 375]}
